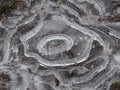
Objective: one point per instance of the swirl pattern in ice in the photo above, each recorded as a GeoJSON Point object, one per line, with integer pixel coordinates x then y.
{"type": "Point", "coordinates": [61, 45]}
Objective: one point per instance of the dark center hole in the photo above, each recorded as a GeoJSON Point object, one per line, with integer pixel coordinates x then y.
{"type": "Point", "coordinates": [4, 77]}
{"type": "Point", "coordinates": [115, 86]}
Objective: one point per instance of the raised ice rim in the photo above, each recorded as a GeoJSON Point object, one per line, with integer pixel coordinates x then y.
{"type": "Point", "coordinates": [81, 58]}
{"type": "Point", "coordinates": [67, 39]}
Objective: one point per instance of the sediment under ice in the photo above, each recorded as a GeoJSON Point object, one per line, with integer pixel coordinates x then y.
{"type": "Point", "coordinates": [61, 45]}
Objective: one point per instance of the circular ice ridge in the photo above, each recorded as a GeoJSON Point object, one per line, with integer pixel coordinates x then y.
{"type": "Point", "coordinates": [54, 44]}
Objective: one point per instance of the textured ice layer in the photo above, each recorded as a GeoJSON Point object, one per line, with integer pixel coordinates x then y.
{"type": "Point", "coordinates": [61, 45]}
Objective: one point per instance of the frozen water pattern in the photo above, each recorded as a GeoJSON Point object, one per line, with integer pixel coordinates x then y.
{"type": "Point", "coordinates": [61, 45]}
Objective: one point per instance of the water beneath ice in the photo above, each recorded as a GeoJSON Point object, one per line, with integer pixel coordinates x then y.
{"type": "Point", "coordinates": [61, 45]}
